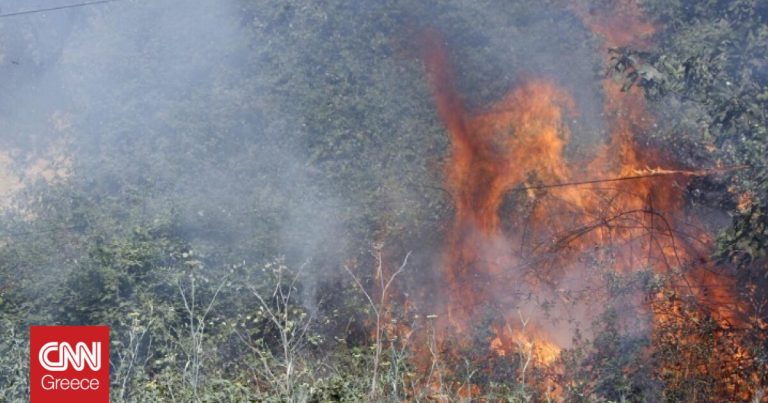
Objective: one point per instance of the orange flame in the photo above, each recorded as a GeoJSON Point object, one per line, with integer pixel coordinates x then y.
{"type": "Point", "coordinates": [521, 140]}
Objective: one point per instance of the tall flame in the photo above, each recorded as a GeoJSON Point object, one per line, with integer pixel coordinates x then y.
{"type": "Point", "coordinates": [492, 262]}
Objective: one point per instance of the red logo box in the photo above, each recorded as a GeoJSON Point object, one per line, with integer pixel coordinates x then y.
{"type": "Point", "coordinates": [69, 364]}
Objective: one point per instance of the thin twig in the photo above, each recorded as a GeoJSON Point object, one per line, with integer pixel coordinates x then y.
{"type": "Point", "coordinates": [649, 174]}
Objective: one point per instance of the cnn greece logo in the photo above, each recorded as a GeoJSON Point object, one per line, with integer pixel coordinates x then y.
{"type": "Point", "coordinates": [78, 356]}
{"type": "Point", "coordinates": [66, 364]}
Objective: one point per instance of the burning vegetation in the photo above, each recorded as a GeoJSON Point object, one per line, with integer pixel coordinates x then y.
{"type": "Point", "coordinates": [306, 201]}
{"type": "Point", "coordinates": [532, 268]}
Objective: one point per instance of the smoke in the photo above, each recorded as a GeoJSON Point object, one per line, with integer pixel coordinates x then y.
{"type": "Point", "coordinates": [165, 106]}
{"type": "Point", "coordinates": [297, 129]}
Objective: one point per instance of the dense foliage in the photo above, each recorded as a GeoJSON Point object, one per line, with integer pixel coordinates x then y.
{"type": "Point", "coordinates": [220, 180]}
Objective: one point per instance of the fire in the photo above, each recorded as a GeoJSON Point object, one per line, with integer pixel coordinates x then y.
{"type": "Point", "coordinates": [533, 347]}
{"type": "Point", "coordinates": [520, 137]}
{"type": "Point", "coordinates": [516, 147]}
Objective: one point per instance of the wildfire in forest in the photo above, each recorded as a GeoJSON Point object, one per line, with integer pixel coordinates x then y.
{"type": "Point", "coordinates": [573, 219]}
